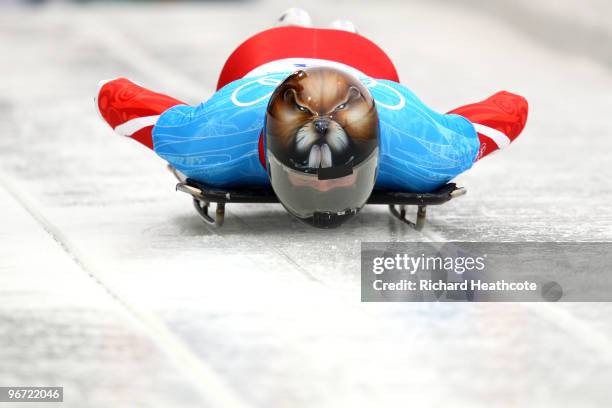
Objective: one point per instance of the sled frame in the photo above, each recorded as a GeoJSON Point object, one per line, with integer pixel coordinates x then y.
{"type": "Point", "coordinates": [397, 201]}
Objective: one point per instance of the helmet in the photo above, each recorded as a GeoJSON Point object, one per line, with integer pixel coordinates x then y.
{"type": "Point", "coordinates": [322, 137]}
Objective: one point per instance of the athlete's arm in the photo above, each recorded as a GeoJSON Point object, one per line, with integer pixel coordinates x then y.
{"type": "Point", "coordinates": [215, 142]}
{"type": "Point", "coordinates": [130, 109]}
{"type": "Point", "coordinates": [499, 120]}
{"type": "Point", "coordinates": [422, 149]}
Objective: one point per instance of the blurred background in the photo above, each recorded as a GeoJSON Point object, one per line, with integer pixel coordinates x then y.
{"type": "Point", "coordinates": [112, 287]}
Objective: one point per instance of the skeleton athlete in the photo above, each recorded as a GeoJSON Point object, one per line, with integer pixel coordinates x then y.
{"type": "Point", "coordinates": [317, 114]}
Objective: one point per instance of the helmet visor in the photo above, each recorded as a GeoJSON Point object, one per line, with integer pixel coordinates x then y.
{"type": "Point", "coordinates": [305, 194]}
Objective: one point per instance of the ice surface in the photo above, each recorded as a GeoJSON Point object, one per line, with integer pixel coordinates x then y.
{"type": "Point", "coordinates": [112, 287]}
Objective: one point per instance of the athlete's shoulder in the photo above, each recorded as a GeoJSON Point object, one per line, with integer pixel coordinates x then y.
{"type": "Point", "coordinates": [390, 95]}
{"type": "Point", "coordinates": [249, 91]}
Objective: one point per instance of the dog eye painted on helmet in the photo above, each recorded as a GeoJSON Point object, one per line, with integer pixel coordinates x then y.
{"type": "Point", "coordinates": [322, 137]}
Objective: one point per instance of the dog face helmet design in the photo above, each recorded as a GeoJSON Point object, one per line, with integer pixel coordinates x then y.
{"type": "Point", "coordinates": [322, 137]}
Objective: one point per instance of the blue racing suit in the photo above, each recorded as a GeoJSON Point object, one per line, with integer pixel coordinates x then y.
{"type": "Point", "coordinates": [217, 142]}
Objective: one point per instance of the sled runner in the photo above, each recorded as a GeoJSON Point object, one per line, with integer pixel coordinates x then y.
{"type": "Point", "coordinates": [397, 201]}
